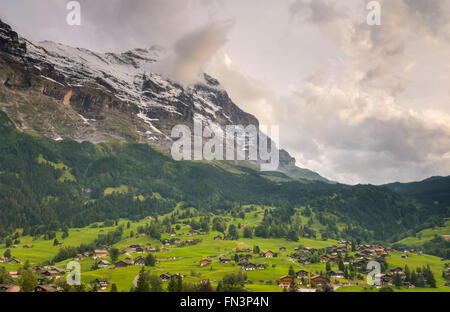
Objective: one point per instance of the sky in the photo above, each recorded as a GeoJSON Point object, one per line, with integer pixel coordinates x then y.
{"type": "Point", "coordinates": [355, 103]}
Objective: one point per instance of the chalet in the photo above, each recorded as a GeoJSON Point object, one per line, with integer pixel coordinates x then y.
{"type": "Point", "coordinates": [228, 237]}
{"type": "Point", "coordinates": [102, 283]}
{"type": "Point", "coordinates": [247, 250]}
{"type": "Point", "coordinates": [397, 270]}
{"type": "Point", "coordinates": [301, 274]}
{"type": "Point", "coordinates": [3, 260]}
{"type": "Point", "coordinates": [123, 263]}
{"type": "Point", "coordinates": [359, 263]}
{"type": "Point", "coordinates": [193, 232]}
{"type": "Point", "coordinates": [50, 274]}
{"type": "Point", "coordinates": [285, 281]}
{"type": "Point", "coordinates": [139, 261]}
{"type": "Point", "coordinates": [404, 256]}
{"type": "Point", "coordinates": [304, 260]}
{"type": "Point", "coordinates": [13, 274]}
{"type": "Point", "coordinates": [205, 262]}
{"type": "Point", "coordinates": [282, 248]}
{"type": "Point", "coordinates": [218, 237]}
{"type": "Point", "coordinates": [268, 254]}
{"type": "Point", "coordinates": [324, 258]}
{"type": "Point", "coordinates": [140, 249]}
{"type": "Point", "coordinates": [164, 249]}
{"type": "Point", "coordinates": [260, 267]}
{"type": "Point", "coordinates": [319, 280]}
{"type": "Point", "coordinates": [249, 267]}
{"type": "Point", "coordinates": [104, 264]}
{"type": "Point", "coordinates": [165, 277]}
{"type": "Point", "coordinates": [243, 261]}
{"type": "Point", "coordinates": [224, 259]}
{"type": "Point", "coordinates": [337, 274]}
{"type": "Point", "coordinates": [100, 254]}
{"type": "Point", "coordinates": [335, 259]}
{"type": "Point", "coordinates": [10, 288]}
{"type": "Point", "coordinates": [48, 288]}
{"type": "Point", "coordinates": [78, 257]}
{"type": "Point", "coordinates": [14, 261]}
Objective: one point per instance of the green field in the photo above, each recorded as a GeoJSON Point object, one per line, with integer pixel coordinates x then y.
{"type": "Point", "coordinates": [188, 257]}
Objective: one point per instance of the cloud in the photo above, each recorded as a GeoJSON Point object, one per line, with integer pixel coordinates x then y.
{"type": "Point", "coordinates": [186, 61]}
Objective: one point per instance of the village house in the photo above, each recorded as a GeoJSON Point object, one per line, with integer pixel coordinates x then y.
{"type": "Point", "coordinates": [13, 274]}
{"type": "Point", "coordinates": [51, 274]}
{"type": "Point", "coordinates": [139, 261]}
{"type": "Point", "coordinates": [249, 267]}
{"type": "Point", "coordinates": [260, 267]}
{"type": "Point", "coordinates": [102, 283]}
{"type": "Point", "coordinates": [10, 288]}
{"type": "Point", "coordinates": [48, 288]}
{"type": "Point", "coordinates": [285, 281]}
{"type": "Point", "coordinates": [165, 277]}
{"type": "Point", "coordinates": [14, 261]}
{"type": "Point", "coordinates": [3, 260]}
{"type": "Point", "coordinates": [282, 248]}
{"type": "Point", "coordinates": [205, 262]}
{"type": "Point", "coordinates": [397, 270]}
{"type": "Point", "coordinates": [224, 259]}
{"type": "Point", "coordinates": [301, 274]}
{"type": "Point", "coordinates": [218, 237]}
{"type": "Point", "coordinates": [319, 280]}
{"type": "Point", "coordinates": [100, 254]}
{"type": "Point", "coordinates": [104, 264]}
{"type": "Point", "coordinates": [324, 258]}
{"type": "Point", "coordinates": [337, 274]}
{"type": "Point", "coordinates": [123, 263]}
{"type": "Point", "coordinates": [164, 249]}
{"type": "Point", "coordinates": [268, 254]}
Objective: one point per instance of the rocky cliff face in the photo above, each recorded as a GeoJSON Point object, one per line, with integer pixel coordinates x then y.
{"type": "Point", "coordinates": [65, 92]}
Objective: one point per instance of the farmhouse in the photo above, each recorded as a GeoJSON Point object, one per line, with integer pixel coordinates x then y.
{"type": "Point", "coordinates": [14, 261]}
{"type": "Point", "coordinates": [165, 277]}
{"type": "Point", "coordinates": [301, 274]}
{"type": "Point", "coordinates": [10, 288]}
{"type": "Point", "coordinates": [102, 283]}
{"type": "Point", "coordinates": [13, 274]}
{"type": "Point", "coordinates": [324, 259]}
{"type": "Point", "coordinates": [100, 254]}
{"type": "Point", "coordinates": [249, 267]}
{"type": "Point", "coordinates": [282, 248]}
{"type": "Point", "coordinates": [204, 262]}
{"type": "Point", "coordinates": [285, 281]}
{"type": "Point", "coordinates": [268, 254]}
{"type": "Point", "coordinates": [123, 263]}
{"type": "Point", "coordinates": [139, 261]}
{"type": "Point", "coordinates": [104, 264]}
{"type": "Point", "coordinates": [319, 280]}
{"type": "Point", "coordinates": [397, 270]}
{"type": "Point", "coordinates": [337, 274]}
{"type": "Point", "coordinates": [224, 259]}
{"type": "Point", "coordinates": [48, 288]}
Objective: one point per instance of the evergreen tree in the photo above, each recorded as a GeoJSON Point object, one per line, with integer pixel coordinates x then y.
{"type": "Point", "coordinates": [27, 280]}
{"type": "Point", "coordinates": [143, 281]}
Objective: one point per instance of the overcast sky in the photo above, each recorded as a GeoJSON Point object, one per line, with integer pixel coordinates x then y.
{"type": "Point", "coordinates": [356, 103]}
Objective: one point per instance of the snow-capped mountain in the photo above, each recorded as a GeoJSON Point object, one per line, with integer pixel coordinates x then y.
{"type": "Point", "coordinates": [65, 92]}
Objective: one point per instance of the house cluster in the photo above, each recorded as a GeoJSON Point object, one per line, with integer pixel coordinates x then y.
{"type": "Point", "coordinates": [220, 237]}
{"type": "Point", "coordinates": [165, 277]}
{"type": "Point", "coordinates": [334, 254]}
{"type": "Point", "coordinates": [9, 261]}
{"type": "Point", "coordinates": [300, 278]}
{"type": "Point", "coordinates": [246, 265]}
{"type": "Point", "coordinates": [129, 262]}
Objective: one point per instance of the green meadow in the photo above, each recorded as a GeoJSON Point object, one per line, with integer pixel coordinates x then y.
{"type": "Point", "coordinates": [187, 258]}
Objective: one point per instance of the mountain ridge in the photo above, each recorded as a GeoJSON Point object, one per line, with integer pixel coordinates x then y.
{"type": "Point", "coordinates": [75, 93]}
